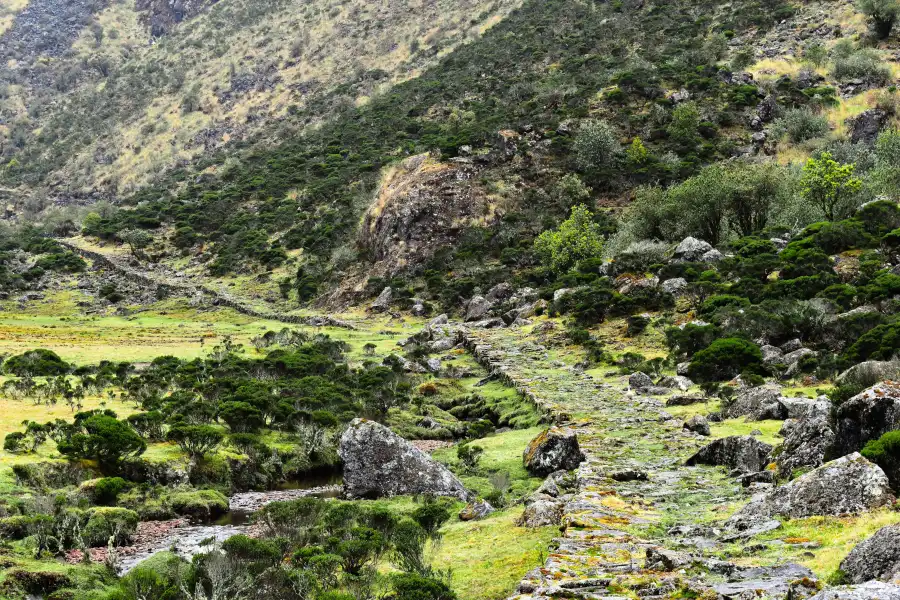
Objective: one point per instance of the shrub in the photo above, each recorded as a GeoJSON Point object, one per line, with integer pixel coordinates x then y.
{"type": "Point", "coordinates": [36, 363]}
{"type": "Point", "coordinates": [883, 14]}
{"type": "Point", "coordinates": [596, 145]}
{"type": "Point", "coordinates": [199, 505]}
{"type": "Point", "coordinates": [102, 438]}
{"type": "Point", "coordinates": [829, 186]}
{"type": "Point", "coordinates": [725, 358]}
{"type": "Point", "coordinates": [410, 586]}
{"type": "Point", "coordinates": [579, 238]}
{"type": "Point", "coordinates": [880, 343]}
{"type": "Point", "coordinates": [691, 338]}
{"type": "Point", "coordinates": [106, 491]}
{"type": "Point", "coordinates": [714, 303]}
{"type": "Point", "coordinates": [800, 124]}
{"type": "Point", "coordinates": [885, 452]}
{"type": "Point", "coordinates": [431, 516]}
{"type": "Point", "coordinates": [196, 440]}
{"type": "Point", "coordinates": [863, 64]}
{"type": "Point", "coordinates": [469, 455]}
{"type": "Point", "coordinates": [109, 522]}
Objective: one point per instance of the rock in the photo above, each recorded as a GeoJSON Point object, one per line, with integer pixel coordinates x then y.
{"type": "Point", "coordinates": [433, 365]}
{"type": "Point", "coordinates": [691, 250]}
{"type": "Point", "coordinates": [761, 477]}
{"type": "Point", "coordinates": [807, 444]}
{"type": "Point", "coordinates": [383, 302]}
{"type": "Point", "coordinates": [562, 293]}
{"type": "Point", "coordinates": [674, 286]}
{"type": "Point", "coordinates": [865, 127]}
{"type": "Point", "coordinates": [877, 557]}
{"type": "Point", "coordinates": [873, 590]}
{"type": "Point", "coordinates": [742, 453]}
{"type": "Point", "coordinates": [791, 346]}
{"type": "Point", "coordinates": [712, 256]}
{"type": "Point", "coordinates": [441, 345]}
{"type": "Point", "coordinates": [685, 400]}
{"type": "Point", "coordinates": [757, 404]}
{"type": "Point", "coordinates": [418, 309]}
{"type": "Point", "coordinates": [792, 359]}
{"type": "Point", "coordinates": [697, 424]}
{"type": "Point", "coordinates": [661, 559]}
{"type": "Point", "coordinates": [554, 449]}
{"type": "Point", "coordinates": [549, 487]}
{"type": "Point", "coordinates": [804, 408]}
{"type": "Point", "coordinates": [478, 308]}
{"type": "Point", "coordinates": [767, 110]}
{"type": "Point", "coordinates": [493, 323]}
{"type": "Point", "coordinates": [678, 382]}
{"type": "Point", "coordinates": [439, 320]}
{"type": "Point", "coordinates": [541, 512]}
{"type": "Point", "coordinates": [639, 380]}
{"type": "Point", "coordinates": [871, 371]}
{"type": "Point", "coordinates": [848, 485]}
{"type": "Point", "coordinates": [785, 581]}
{"type": "Point", "coordinates": [746, 528]}
{"type": "Point", "coordinates": [867, 416]}
{"type": "Point", "coordinates": [499, 293]}
{"type": "Point", "coordinates": [475, 510]}
{"type": "Point", "coordinates": [680, 96]}
{"type": "Point", "coordinates": [629, 475]}
{"type": "Point", "coordinates": [682, 368]}
{"type": "Point", "coordinates": [771, 354]}
{"type": "Point", "coordinates": [379, 463]}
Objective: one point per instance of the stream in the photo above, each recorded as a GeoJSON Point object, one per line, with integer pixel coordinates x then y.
{"type": "Point", "coordinates": [188, 540]}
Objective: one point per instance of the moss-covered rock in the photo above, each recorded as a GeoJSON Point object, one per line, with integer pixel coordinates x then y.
{"type": "Point", "coordinates": [199, 505]}
{"type": "Point", "coordinates": [106, 522]}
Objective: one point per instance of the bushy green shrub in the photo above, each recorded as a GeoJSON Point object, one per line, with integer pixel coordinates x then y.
{"type": "Point", "coordinates": [106, 491]}
{"type": "Point", "coordinates": [714, 303]}
{"type": "Point", "coordinates": [109, 522]}
{"type": "Point", "coordinates": [800, 124]}
{"type": "Point", "coordinates": [725, 358]}
{"type": "Point", "coordinates": [690, 339]}
{"type": "Point", "coordinates": [36, 363]}
{"type": "Point", "coordinates": [885, 452]}
{"type": "Point", "coordinates": [865, 64]}
{"type": "Point", "coordinates": [409, 586]}
{"type": "Point", "coordinates": [880, 343]}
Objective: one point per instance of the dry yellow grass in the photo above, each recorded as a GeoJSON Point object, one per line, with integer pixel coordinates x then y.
{"type": "Point", "coordinates": [8, 11]}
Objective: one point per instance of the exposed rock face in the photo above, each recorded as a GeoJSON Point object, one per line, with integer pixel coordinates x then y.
{"type": "Point", "coordinates": [553, 450]}
{"type": "Point", "coordinates": [875, 558]}
{"type": "Point", "coordinates": [871, 370]}
{"type": "Point", "coordinates": [383, 301]}
{"type": "Point", "coordinates": [421, 207]}
{"type": "Point", "coordinates": [639, 380]}
{"type": "Point", "coordinates": [743, 453]}
{"type": "Point", "coordinates": [873, 590]}
{"type": "Point", "coordinates": [661, 559]}
{"type": "Point", "coordinates": [757, 404]}
{"type": "Point", "coordinates": [867, 416]}
{"type": "Point", "coordinates": [866, 126]}
{"type": "Point", "coordinates": [807, 443]}
{"type": "Point", "coordinates": [691, 250]}
{"type": "Point", "coordinates": [783, 581]}
{"type": "Point", "coordinates": [771, 354]}
{"type": "Point", "coordinates": [475, 510]}
{"type": "Point", "coordinates": [379, 463]}
{"type": "Point", "coordinates": [804, 408]}
{"type": "Point", "coordinates": [542, 511]}
{"type": "Point", "coordinates": [478, 308]}
{"type": "Point", "coordinates": [674, 286]}
{"type": "Point", "coordinates": [678, 382]}
{"type": "Point", "coordinates": [848, 485]}
{"type": "Point", "coordinates": [697, 424]}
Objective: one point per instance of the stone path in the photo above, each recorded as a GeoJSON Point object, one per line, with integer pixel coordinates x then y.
{"type": "Point", "coordinates": [602, 551]}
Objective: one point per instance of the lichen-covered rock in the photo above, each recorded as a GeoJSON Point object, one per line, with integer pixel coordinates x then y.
{"type": "Point", "coordinates": [542, 511]}
{"type": "Point", "coordinates": [878, 557]}
{"type": "Point", "coordinates": [771, 354]}
{"type": "Point", "coordinates": [804, 408]}
{"type": "Point", "coordinates": [475, 510]}
{"type": "Point", "coordinates": [867, 416]}
{"type": "Point", "coordinates": [662, 559]}
{"type": "Point", "coordinates": [691, 250]}
{"type": "Point", "coordinates": [379, 463]}
{"type": "Point", "coordinates": [554, 449]}
{"type": "Point", "coordinates": [639, 380]}
{"type": "Point", "coordinates": [807, 444]}
{"type": "Point", "coordinates": [677, 382]}
{"type": "Point", "coordinates": [757, 404]}
{"type": "Point", "coordinates": [848, 485]}
{"type": "Point", "coordinates": [742, 453]}
{"type": "Point", "coordinates": [873, 590]}
{"type": "Point", "coordinates": [866, 126]}
{"type": "Point", "coordinates": [383, 302]}
{"type": "Point", "coordinates": [674, 286]}
{"type": "Point", "coordinates": [478, 308]}
{"type": "Point", "coordinates": [697, 424]}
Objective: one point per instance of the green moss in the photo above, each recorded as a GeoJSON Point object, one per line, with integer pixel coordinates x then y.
{"type": "Point", "coordinates": [199, 505]}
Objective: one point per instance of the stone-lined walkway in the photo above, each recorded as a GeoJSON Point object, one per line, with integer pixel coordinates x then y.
{"type": "Point", "coordinates": [623, 437]}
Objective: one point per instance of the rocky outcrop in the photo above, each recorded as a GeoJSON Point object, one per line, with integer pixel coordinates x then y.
{"type": "Point", "coordinates": [378, 463]}
{"type": "Point", "coordinates": [745, 454]}
{"type": "Point", "coordinates": [422, 206]}
{"type": "Point", "coordinates": [757, 404]}
{"type": "Point", "coordinates": [478, 308]}
{"type": "Point", "coordinates": [553, 450]}
{"type": "Point", "coordinates": [865, 127]}
{"type": "Point", "coordinates": [848, 485]}
{"type": "Point", "coordinates": [691, 250]}
{"type": "Point", "coordinates": [639, 380]}
{"type": "Point", "coordinates": [698, 424]}
{"type": "Point", "coordinates": [807, 444]}
{"type": "Point", "coordinates": [383, 302]}
{"type": "Point", "coordinates": [867, 416]}
{"type": "Point", "coordinates": [541, 512]}
{"type": "Point", "coordinates": [873, 590]}
{"type": "Point", "coordinates": [875, 558]}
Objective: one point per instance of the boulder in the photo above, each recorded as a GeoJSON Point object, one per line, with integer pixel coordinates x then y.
{"type": "Point", "coordinates": [682, 368]}
{"type": "Point", "coordinates": [873, 590]}
{"type": "Point", "coordinates": [745, 454]}
{"type": "Point", "coordinates": [791, 346]}
{"type": "Point", "coordinates": [685, 400]}
{"type": "Point", "coordinates": [499, 293]}
{"type": "Point", "coordinates": [712, 256]}
{"type": "Point", "coordinates": [697, 424]}
{"type": "Point", "coordinates": [877, 557]}
{"type": "Point", "coordinates": [807, 444]}
{"type": "Point", "coordinates": [478, 308]}
{"type": "Point", "coordinates": [691, 250]}
{"type": "Point", "coordinates": [383, 302]}
{"type": "Point", "coordinates": [678, 382]}
{"type": "Point", "coordinates": [757, 404]}
{"type": "Point", "coordinates": [871, 371]}
{"type": "Point", "coordinates": [865, 127]}
{"type": "Point", "coordinates": [867, 416]}
{"type": "Point", "coordinates": [771, 354]}
{"type": "Point", "coordinates": [379, 463]}
{"type": "Point", "coordinates": [553, 450]}
{"type": "Point", "coordinates": [661, 559]}
{"type": "Point", "coordinates": [475, 510]}
{"type": "Point", "coordinates": [674, 286]}
{"type": "Point", "coordinates": [639, 380]}
{"type": "Point", "coordinates": [792, 359]}
{"type": "Point", "coordinates": [804, 408]}
{"type": "Point", "coordinates": [848, 485]}
{"type": "Point", "coordinates": [542, 511]}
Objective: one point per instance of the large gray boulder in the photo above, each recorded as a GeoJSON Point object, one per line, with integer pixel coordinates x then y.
{"type": "Point", "coordinates": [871, 371]}
{"type": "Point", "coordinates": [867, 416]}
{"type": "Point", "coordinates": [757, 404]}
{"type": "Point", "coordinates": [805, 408]}
{"type": "Point", "coordinates": [697, 424]}
{"type": "Point", "coordinates": [865, 127]}
{"type": "Point", "coordinates": [554, 449]}
{"type": "Point", "coordinates": [478, 308]}
{"type": "Point", "coordinates": [848, 485]}
{"type": "Point", "coordinates": [541, 511]}
{"type": "Point", "coordinates": [875, 558]}
{"type": "Point", "coordinates": [691, 250]}
{"type": "Point", "coordinates": [783, 581]}
{"type": "Point", "coordinates": [383, 302]}
{"type": "Point", "coordinates": [742, 453]}
{"type": "Point", "coordinates": [379, 463]}
{"type": "Point", "coordinates": [639, 380]}
{"type": "Point", "coordinates": [873, 590]}
{"type": "Point", "coordinates": [807, 444]}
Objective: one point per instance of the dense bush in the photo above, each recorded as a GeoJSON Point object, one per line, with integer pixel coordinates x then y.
{"type": "Point", "coordinates": [120, 524]}
{"type": "Point", "coordinates": [36, 363]}
{"type": "Point", "coordinates": [885, 452]}
{"type": "Point", "coordinates": [880, 343]}
{"type": "Point", "coordinates": [800, 124]}
{"type": "Point", "coordinates": [724, 359]}
{"type": "Point", "coordinates": [100, 437]}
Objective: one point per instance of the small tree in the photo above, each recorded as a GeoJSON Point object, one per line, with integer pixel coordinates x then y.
{"type": "Point", "coordinates": [137, 240]}
{"type": "Point", "coordinates": [102, 438]}
{"type": "Point", "coordinates": [829, 185]}
{"type": "Point", "coordinates": [883, 14]}
{"type": "Point", "coordinates": [469, 455]}
{"type": "Point", "coordinates": [685, 123]}
{"type": "Point", "coordinates": [196, 440]}
{"type": "Point", "coordinates": [578, 239]}
{"type": "Point", "coordinates": [596, 145]}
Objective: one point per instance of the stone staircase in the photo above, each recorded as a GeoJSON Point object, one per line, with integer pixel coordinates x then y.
{"type": "Point", "coordinates": [632, 488]}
